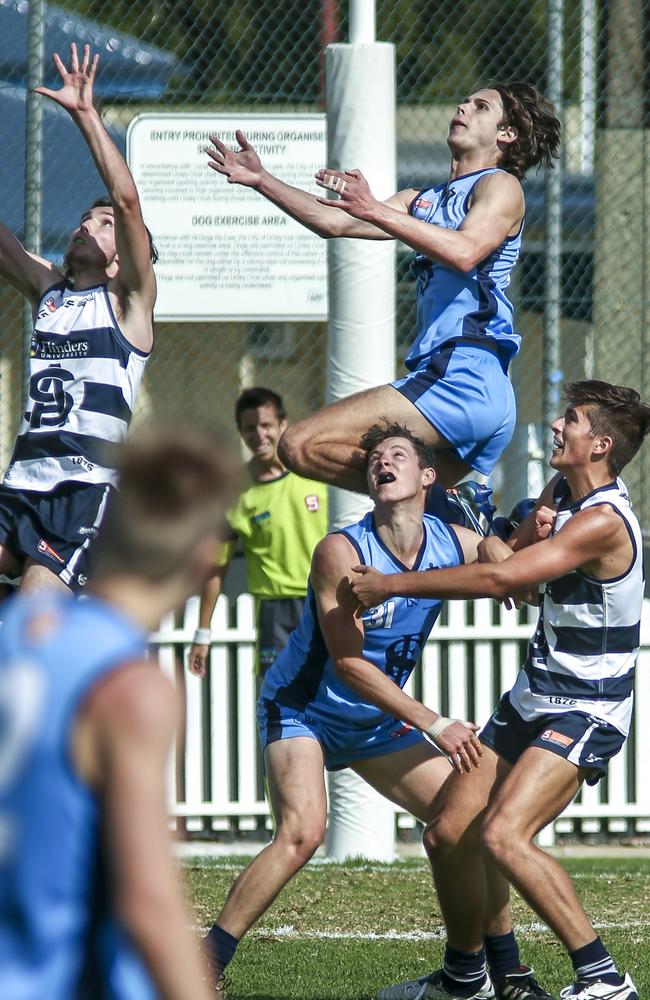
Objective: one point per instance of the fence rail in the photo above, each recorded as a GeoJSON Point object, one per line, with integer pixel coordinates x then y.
{"type": "Point", "coordinates": [215, 780]}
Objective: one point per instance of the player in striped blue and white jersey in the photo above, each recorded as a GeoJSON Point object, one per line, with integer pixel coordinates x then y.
{"type": "Point", "coordinates": [466, 233]}
{"type": "Point", "coordinates": [93, 332]}
{"type": "Point", "coordinates": [569, 710]}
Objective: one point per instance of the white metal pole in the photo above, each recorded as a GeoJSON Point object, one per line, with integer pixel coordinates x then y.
{"type": "Point", "coordinates": [360, 89]}
{"type": "Point", "coordinates": [588, 85]}
{"type": "Point", "coordinates": [361, 20]}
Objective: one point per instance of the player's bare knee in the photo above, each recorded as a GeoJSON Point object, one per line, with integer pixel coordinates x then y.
{"type": "Point", "coordinates": [440, 836]}
{"type": "Point", "coordinates": [301, 844]}
{"type": "Point", "coordinates": [498, 837]}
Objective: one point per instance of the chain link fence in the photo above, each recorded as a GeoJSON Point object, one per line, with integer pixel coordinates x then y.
{"type": "Point", "coordinates": [260, 56]}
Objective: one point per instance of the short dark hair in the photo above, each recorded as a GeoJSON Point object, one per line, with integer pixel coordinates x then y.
{"type": "Point", "coordinates": [385, 429]}
{"type": "Point", "coordinates": [176, 480]}
{"type": "Point", "coordinates": [252, 399]}
{"type": "Point", "coordinates": [105, 202]}
{"type": "Point", "coordinates": [614, 410]}
{"type": "Point", "coordinates": [538, 128]}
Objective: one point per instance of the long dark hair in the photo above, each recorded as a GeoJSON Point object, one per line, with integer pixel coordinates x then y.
{"type": "Point", "coordinates": [538, 128]}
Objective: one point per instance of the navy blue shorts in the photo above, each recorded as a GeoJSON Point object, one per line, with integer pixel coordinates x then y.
{"type": "Point", "coordinates": [583, 740]}
{"type": "Point", "coordinates": [467, 396]}
{"type": "Point", "coordinates": [277, 617]}
{"type": "Point", "coordinates": [55, 528]}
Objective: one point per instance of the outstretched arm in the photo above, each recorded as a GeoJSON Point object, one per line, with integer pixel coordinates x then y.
{"type": "Point", "coordinates": [343, 634]}
{"type": "Point", "coordinates": [28, 273]}
{"type": "Point", "coordinates": [76, 97]}
{"type": "Point", "coordinates": [497, 209]}
{"type": "Point", "coordinates": [591, 537]}
{"type": "Point", "coordinates": [243, 166]}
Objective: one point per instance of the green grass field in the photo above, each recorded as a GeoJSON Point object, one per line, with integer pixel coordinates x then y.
{"type": "Point", "coordinates": [339, 932]}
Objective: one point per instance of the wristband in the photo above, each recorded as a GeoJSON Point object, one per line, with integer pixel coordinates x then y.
{"type": "Point", "coordinates": [202, 637]}
{"type": "Point", "coordinates": [438, 727]}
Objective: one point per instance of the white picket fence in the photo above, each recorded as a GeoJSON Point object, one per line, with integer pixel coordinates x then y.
{"type": "Point", "coordinates": [215, 782]}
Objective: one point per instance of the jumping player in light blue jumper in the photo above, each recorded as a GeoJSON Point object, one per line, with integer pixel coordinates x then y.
{"type": "Point", "coordinates": [466, 233]}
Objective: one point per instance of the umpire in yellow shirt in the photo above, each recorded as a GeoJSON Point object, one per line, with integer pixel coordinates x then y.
{"type": "Point", "coordinates": [278, 519]}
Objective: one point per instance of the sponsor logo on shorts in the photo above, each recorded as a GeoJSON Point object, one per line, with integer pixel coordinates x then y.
{"type": "Point", "coordinates": [591, 758]}
{"type": "Point", "coordinates": [402, 731]}
{"type": "Point", "coordinates": [312, 502]}
{"type": "Point", "coordinates": [88, 531]}
{"type": "Point", "coordinates": [47, 550]}
{"type": "Point", "coordinates": [561, 739]}
{"type": "Point", "coordinates": [258, 518]}
{"type": "Point", "coordinates": [82, 579]}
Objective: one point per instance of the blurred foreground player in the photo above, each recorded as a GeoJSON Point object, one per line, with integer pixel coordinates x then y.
{"type": "Point", "coordinates": [90, 904]}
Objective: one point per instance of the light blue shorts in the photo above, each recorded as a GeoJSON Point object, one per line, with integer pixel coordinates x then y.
{"type": "Point", "coordinates": [465, 394]}
{"type": "Point", "coordinates": [342, 744]}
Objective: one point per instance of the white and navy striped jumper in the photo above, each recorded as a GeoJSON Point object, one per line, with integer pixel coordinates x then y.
{"type": "Point", "coordinates": [453, 305]}
{"type": "Point", "coordinates": [583, 653]}
{"type": "Point", "coordinates": [84, 376]}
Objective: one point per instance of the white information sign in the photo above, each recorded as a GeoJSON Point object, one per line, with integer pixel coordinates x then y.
{"type": "Point", "coordinates": [226, 252]}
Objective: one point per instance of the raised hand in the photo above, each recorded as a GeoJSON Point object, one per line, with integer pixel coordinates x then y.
{"type": "Point", "coordinates": [239, 166]}
{"type": "Point", "coordinates": [355, 196]}
{"type": "Point", "coordinates": [76, 94]}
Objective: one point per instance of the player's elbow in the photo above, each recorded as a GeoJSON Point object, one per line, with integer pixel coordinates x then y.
{"type": "Point", "coordinates": [125, 199]}
{"type": "Point", "coordinates": [347, 670]}
{"type": "Point", "coordinates": [466, 258]}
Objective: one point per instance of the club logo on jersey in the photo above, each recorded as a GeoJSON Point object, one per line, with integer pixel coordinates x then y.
{"type": "Point", "coordinates": [46, 549]}
{"type": "Point", "coordinates": [421, 203]}
{"type": "Point", "coordinates": [312, 502]}
{"type": "Point", "coordinates": [49, 306]}
{"type": "Point", "coordinates": [559, 738]}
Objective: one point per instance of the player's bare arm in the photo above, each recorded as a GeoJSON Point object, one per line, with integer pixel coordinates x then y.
{"type": "Point", "coordinates": [134, 287]}
{"type": "Point", "coordinates": [594, 540]}
{"type": "Point", "coordinates": [29, 274]}
{"type": "Point", "coordinates": [332, 565]}
{"type": "Point", "coordinates": [197, 658]}
{"type": "Point", "coordinates": [532, 529]}
{"type": "Point", "coordinates": [121, 744]}
{"type": "Point", "coordinates": [496, 213]}
{"type": "Point", "coordinates": [243, 166]}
